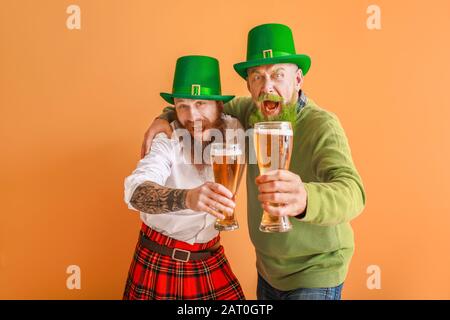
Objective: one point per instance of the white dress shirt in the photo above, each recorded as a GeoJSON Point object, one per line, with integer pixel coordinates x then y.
{"type": "Point", "coordinates": [164, 165]}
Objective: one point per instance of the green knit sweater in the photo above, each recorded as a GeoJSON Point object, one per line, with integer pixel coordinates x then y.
{"type": "Point", "coordinates": [317, 251]}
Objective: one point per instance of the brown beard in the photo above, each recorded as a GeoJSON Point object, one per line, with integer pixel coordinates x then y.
{"type": "Point", "coordinates": [219, 124]}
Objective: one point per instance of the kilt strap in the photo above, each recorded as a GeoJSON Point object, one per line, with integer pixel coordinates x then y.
{"type": "Point", "coordinates": [176, 253]}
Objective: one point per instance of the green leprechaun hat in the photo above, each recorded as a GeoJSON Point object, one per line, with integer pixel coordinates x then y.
{"type": "Point", "coordinates": [269, 44]}
{"type": "Point", "coordinates": [196, 77]}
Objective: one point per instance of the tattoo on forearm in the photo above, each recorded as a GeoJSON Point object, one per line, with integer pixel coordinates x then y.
{"type": "Point", "coordinates": [153, 198]}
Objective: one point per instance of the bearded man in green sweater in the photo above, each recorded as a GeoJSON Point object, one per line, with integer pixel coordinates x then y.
{"type": "Point", "coordinates": [322, 190]}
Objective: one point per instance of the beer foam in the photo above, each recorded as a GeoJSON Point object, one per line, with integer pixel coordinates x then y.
{"type": "Point", "coordinates": [274, 132]}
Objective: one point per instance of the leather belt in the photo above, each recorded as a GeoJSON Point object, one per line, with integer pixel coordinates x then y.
{"type": "Point", "coordinates": [176, 253]}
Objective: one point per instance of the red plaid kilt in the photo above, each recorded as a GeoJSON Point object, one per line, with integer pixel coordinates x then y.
{"type": "Point", "coordinates": [153, 276]}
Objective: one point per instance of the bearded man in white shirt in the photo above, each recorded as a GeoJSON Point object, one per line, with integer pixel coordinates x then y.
{"type": "Point", "coordinates": [178, 254]}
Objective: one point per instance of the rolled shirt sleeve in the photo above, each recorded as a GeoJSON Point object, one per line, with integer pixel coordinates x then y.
{"type": "Point", "coordinates": [154, 167]}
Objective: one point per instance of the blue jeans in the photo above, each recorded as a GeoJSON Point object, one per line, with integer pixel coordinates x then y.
{"type": "Point", "coordinates": [265, 291]}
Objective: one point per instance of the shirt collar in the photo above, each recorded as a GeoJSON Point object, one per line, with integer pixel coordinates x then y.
{"type": "Point", "coordinates": [302, 100]}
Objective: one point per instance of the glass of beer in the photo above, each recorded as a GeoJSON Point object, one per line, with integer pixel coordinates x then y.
{"type": "Point", "coordinates": [273, 145]}
{"type": "Point", "coordinates": [228, 163]}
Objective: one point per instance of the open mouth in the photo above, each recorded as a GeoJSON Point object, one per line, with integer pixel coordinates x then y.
{"type": "Point", "coordinates": [270, 108]}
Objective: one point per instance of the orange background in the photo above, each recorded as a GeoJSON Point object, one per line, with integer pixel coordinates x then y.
{"type": "Point", "coordinates": [75, 105]}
